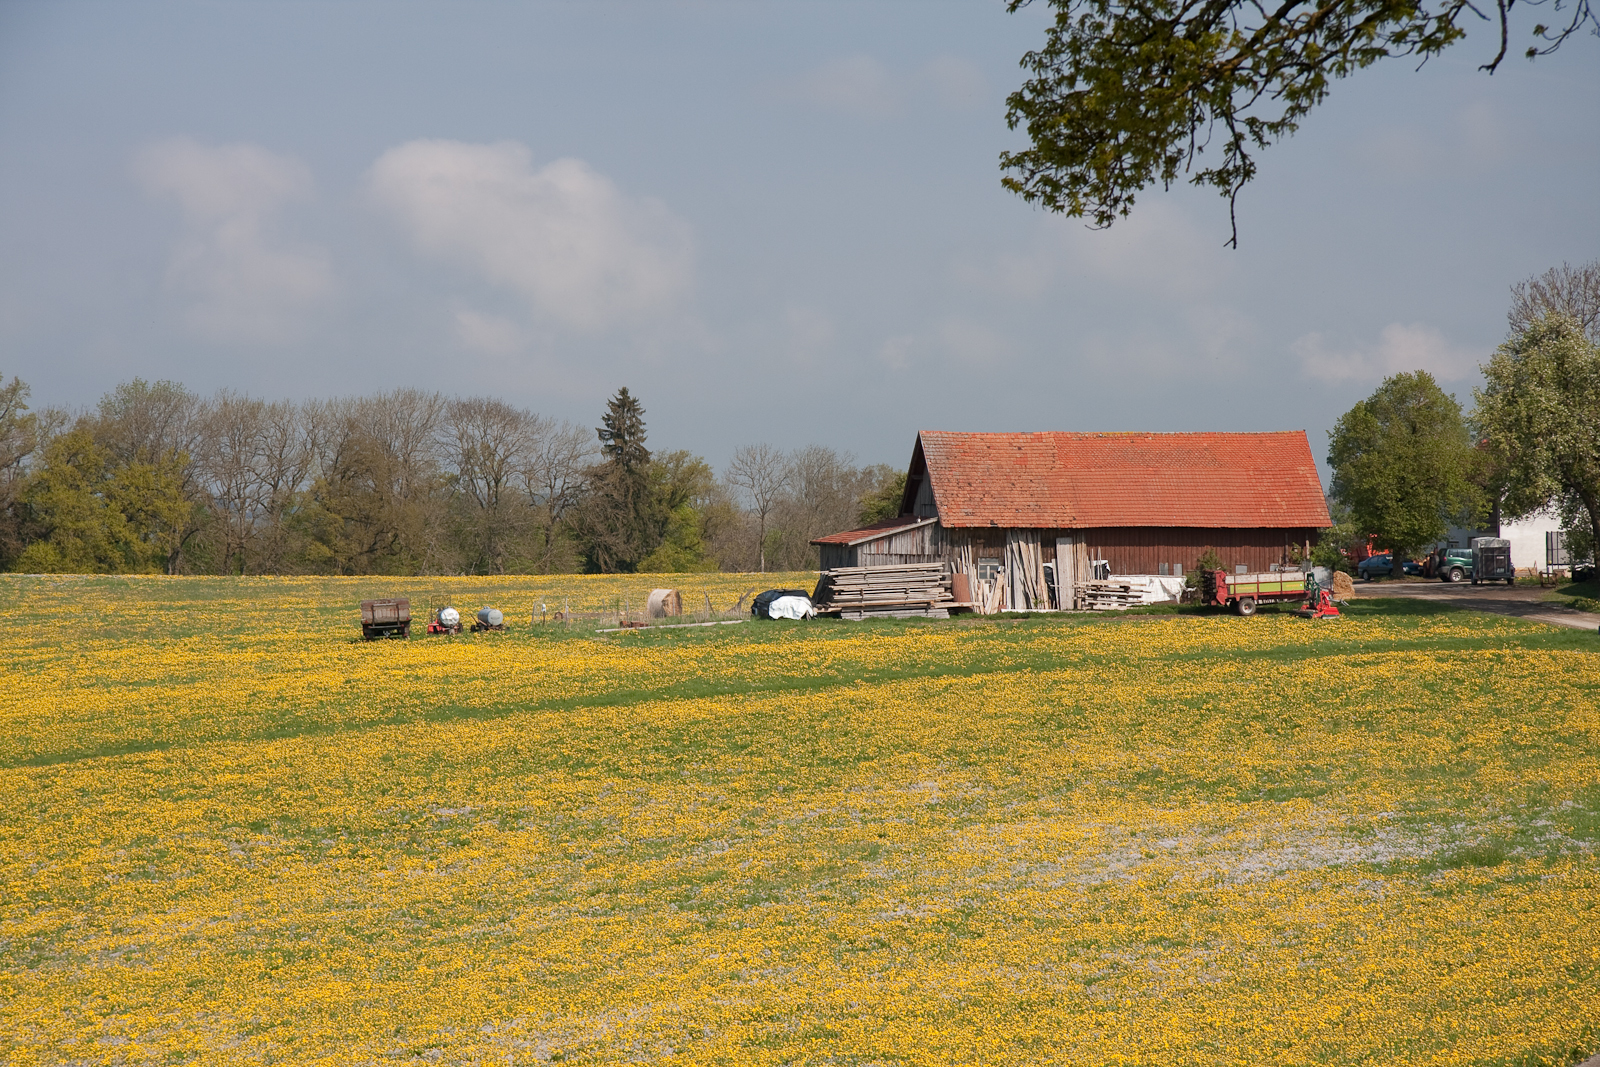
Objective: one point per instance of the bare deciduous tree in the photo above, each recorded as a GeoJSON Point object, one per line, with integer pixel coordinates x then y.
{"type": "Point", "coordinates": [1566, 290]}
{"type": "Point", "coordinates": [380, 472]}
{"type": "Point", "coordinates": [760, 473]}
{"type": "Point", "coordinates": [824, 494]}
{"type": "Point", "coordinates": [290, 435]}
{"type": "Point", "coordinates": [487, 442]}
{"type": "Point", "coordinates": [231, 447]}
{"type": "Point", "coordinates": [554, 479]}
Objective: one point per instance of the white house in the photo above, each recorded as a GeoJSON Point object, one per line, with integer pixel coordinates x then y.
{"type": "Point", "coordinates": [1535, 544]}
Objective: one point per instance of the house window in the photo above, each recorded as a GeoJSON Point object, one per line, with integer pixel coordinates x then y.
{"type": "Point", "coordinates": [987, 569]}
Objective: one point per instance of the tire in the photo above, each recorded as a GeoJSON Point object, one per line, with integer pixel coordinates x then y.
{"type": "Point", "coordinates": [1511, 581]}
{"type": "Point", "coordinates": [1455, 574]}
{"type": "Point", "coordinates": [1367, 577]}
{"type": "Point", "coordinates": [1246, 606]}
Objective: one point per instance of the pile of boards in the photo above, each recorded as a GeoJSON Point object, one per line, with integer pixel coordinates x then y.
{"type": "Point", "coordinates": [904, 591]}
{"type": "Point", "coordinates": [1112, 594]}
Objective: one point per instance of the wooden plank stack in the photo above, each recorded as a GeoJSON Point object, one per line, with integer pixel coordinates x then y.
{"type": "Point", "coordinates": [910, 590]}
{"type": "Point", "coordinates": [1112, 594]}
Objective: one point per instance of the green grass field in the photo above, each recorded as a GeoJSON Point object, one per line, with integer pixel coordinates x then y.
{"type": "Point", "coordinates": [233, 833]}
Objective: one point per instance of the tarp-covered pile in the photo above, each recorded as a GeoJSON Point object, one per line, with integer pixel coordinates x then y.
{"type": "Point", "coordinates": [783, 604]}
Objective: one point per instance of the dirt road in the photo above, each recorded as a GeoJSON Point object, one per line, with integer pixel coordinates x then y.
{"type": "Point", "coordinates": [1522, 601]}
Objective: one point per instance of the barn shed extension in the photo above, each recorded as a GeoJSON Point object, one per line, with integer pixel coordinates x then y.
{"type": "Point", "coordinates": [1147, 503]}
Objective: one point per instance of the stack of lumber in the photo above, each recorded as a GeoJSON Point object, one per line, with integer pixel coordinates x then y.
{"type": "Point", "coordinates": [1112, 594]}
{"type": "Point", "coordinates": [900, 592]}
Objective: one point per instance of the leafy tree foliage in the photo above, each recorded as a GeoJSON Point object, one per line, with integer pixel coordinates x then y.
{"type": "Point", "coordinates": [1336, 548]}
{"type": "Point", "coordinates": [1402, 462]}
{"type": "Point", "coordinates": [697, 510]}
{"type": "Point", "coordinates": [1127, 93]}
{"type": "Point", "coordinates": [882, 501]}
{"type": "Point", "coordinates": [158, 425]}
{"type": "Point", "coordinates": [1540, 412]}
{"type": "Point", "coordinates": [21, 434]}
{"type": "Point", "coordinates": [90, 513]}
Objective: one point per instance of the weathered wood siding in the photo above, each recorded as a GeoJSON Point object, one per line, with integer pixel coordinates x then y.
{"type": "Point", "coordinates": [904, 546]}
{"type": "Point", "coordinates": [907, 546]}
{"type": "Point", "coordinates": [1143, 550]}
{"type": "Point", "coordinates": [1130, 550]}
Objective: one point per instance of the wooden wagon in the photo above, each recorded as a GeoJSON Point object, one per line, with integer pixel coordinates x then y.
{"type": "Point", "coordinates": [386, 618]}
{"type": "Point", "coordinates": [1243, 592]}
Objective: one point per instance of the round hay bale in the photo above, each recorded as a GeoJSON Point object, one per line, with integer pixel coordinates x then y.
{"type": "Point", "coordinates": [664, 602]}
{"type": "Point", "coordinates": [1342, 585]}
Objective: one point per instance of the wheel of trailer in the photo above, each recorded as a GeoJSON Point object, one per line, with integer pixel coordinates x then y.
{"type": "Point", "coordinates": [1246, 606]}
{"type": "Point", "coordinates": [1511, 581]}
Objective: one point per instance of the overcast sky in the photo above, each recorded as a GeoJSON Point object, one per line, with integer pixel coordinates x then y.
{"type": "Point", "coordinates": [778, 222]}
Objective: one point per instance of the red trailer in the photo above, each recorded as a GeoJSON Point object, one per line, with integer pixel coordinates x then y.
{"type": "Point", "coordinates": [1245, 592]}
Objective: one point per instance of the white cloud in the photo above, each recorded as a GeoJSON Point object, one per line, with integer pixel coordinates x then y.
{"type": "Point", "coordinates": [953, 343]}
{"type": "Point", "coordinates": [808, 334]}
{"type": "Point", "coordinates": [493, 334]}
{"type": "Point", "coordinates": [856, 85]}
{"type": "Point", "coordinates": [863, 87]}
{"type": "Point", "coordinates": [896, 351]}
{"type": "Point", "coordinates": [1157, 249]}
{"type": "Point", "coordinates": [957, 82]}
{"type": "Point", "coordinates": [973, 345]}
{"type": "Point", "coordinates": [1400, 348]}
{"type": "Point", "coordinates": [564, 238]}
{"type": "Point", "coordinates": [241, 283]}
{"type": "Point", "coordinates": [1477, 138]}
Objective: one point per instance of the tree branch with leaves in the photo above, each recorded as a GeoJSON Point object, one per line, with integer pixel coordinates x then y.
{"type": "Point", "coordinates": [1128, 93]}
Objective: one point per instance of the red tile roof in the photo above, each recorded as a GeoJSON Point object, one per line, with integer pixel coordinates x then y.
{"type": "Point", "coordinates": [1067, 480]}
{"type": "Point", "coordinates": [870, 533]}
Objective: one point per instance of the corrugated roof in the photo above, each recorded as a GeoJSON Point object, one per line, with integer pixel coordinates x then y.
{"type": "Point", "coordinates": [882, 528]}
{"type": "Point", "coordinates": [1066, 480]}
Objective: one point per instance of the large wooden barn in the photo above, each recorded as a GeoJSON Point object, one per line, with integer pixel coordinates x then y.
{"type": "Point", "coordinates": [1146, 503]}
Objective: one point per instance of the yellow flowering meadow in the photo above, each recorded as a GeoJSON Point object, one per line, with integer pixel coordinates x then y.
{"type": "Point", "coordinates": [232, 833]}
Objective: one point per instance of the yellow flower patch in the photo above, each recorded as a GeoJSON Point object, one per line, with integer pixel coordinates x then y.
{"type": "Point", "coordinates": [233, 834]}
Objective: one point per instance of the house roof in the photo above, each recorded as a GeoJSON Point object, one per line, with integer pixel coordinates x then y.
{"type": "Point", "coordinates": [882, 528]}
{"type": "Point", "coordinates": [1067, 480]}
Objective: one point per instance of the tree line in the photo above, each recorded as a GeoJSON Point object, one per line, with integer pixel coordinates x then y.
{"type": "Point", "coordinates": [1408, 462]}
{"type": "Point", "coordinates": [157, 479]}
